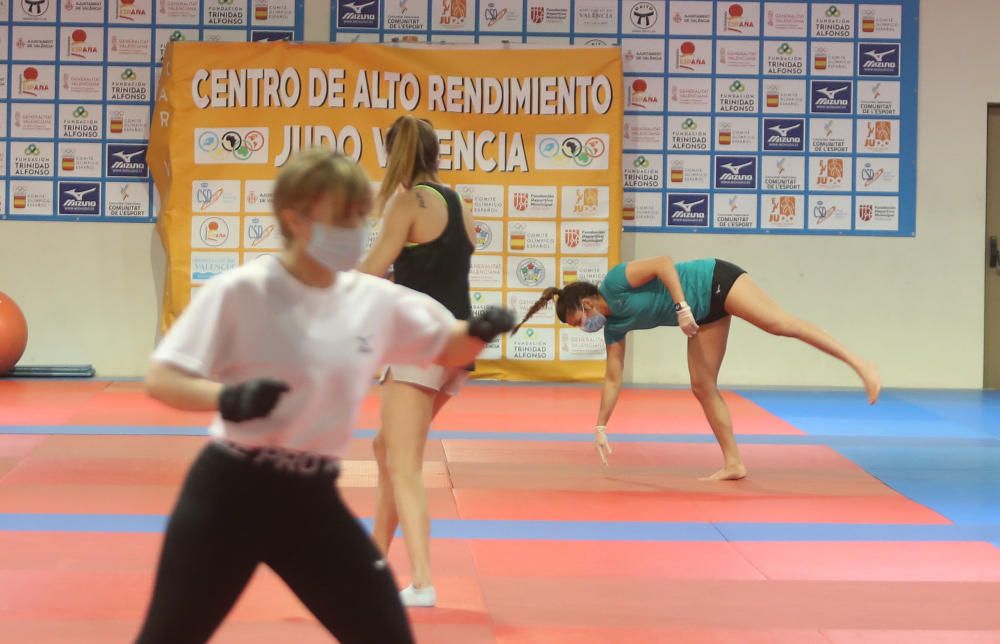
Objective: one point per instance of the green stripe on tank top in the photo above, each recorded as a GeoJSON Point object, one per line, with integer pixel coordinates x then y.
{"type": "Point", "coordinates": [435, 193]}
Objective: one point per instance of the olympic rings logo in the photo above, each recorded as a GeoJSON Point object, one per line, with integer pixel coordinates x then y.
{"type": "Point", "coordinates": [241, 146]}
{"type": "Point", "coordinates": [582, 153]}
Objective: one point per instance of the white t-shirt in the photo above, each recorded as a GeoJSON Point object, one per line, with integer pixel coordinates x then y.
{"type": "Point", "coordinates": [258, 321]}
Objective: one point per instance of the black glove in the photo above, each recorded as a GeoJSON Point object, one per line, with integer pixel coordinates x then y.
{"type": "Point", "coordinates": [251, 399]}
{"type": "Point", "coordinates": [491, 322]}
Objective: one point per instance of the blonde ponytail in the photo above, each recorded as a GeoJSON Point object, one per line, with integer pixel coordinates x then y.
{"type": "Point", "coordinates": [403, 145]}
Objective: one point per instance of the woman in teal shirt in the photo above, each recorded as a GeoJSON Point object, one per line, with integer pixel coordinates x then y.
{"type": "Point", "coordinates": [700, 297]}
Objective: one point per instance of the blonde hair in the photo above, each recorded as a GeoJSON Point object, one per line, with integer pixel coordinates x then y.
{"type": "Point", "coordinates": [314, 173]}
{"type": "Point", "coordinates": [412, 146]}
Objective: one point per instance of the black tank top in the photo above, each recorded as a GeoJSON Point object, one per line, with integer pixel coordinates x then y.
{"type": "Point", "coordinates": [440, 268]}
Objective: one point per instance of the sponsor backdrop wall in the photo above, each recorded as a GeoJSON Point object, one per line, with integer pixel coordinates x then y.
{"type": "Point", "coordinates": [77, 78]}
{"type": "Point", "coordinates": [913, 304]}
{"type": "Point", "coordinates": [741, 117]}
{"type": "Point", "coordinates": [536, 161]}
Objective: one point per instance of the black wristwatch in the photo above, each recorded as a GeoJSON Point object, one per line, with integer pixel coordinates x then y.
{"type": "Point", "coordinates": [679, 307]}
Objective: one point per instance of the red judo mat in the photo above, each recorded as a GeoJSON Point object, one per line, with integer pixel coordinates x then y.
{"type": "Point", "coordinates": [502, 584]}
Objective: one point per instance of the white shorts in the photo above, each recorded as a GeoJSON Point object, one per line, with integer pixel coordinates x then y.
{"type": "Point", "coordinates": [445, 380]}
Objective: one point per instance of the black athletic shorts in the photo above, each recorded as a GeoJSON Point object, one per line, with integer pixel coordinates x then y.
{"type": "Point", "coordinates": [722, 281]}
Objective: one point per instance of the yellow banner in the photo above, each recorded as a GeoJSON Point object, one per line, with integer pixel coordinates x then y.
{"type": "Point", "coordinates": [531, 140]}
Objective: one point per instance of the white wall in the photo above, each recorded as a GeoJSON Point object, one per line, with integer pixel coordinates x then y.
{"type": "Point", "coordinates": [915, 306]}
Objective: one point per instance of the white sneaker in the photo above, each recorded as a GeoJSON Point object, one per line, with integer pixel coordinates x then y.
{"type": "Point", "coordinates": [424, 597]}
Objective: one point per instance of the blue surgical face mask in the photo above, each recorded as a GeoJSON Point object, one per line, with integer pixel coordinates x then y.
{"type": "Point", "coordinates": [336, 248]}
{"type": "Point", "coordinates": [594, 322]}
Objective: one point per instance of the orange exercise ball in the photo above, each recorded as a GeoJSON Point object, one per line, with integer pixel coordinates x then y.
{"type": "Point", "coordinates": [13, 333]}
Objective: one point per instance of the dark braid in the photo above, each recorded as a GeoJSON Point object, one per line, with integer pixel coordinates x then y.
{"type": "Point", "coordinates": [542, 302]}
{"type": "Point", "coordinates": [567, 299]}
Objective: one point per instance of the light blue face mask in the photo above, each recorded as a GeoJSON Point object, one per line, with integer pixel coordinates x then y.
{"type": "Point", "coordinates": [593, 322]}
{"type": "Point", "coordinates": [338, 249]}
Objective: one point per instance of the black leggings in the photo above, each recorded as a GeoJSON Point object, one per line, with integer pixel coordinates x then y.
{"type": "Point", "coordinates": [235, 512]}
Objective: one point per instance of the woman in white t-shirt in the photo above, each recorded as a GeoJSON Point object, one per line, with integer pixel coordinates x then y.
{"type": "Point", "coordinates": [283, 349]}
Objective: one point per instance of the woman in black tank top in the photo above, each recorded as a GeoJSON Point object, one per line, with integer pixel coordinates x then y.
{"type": "Point", "coordinates": [427, 238]}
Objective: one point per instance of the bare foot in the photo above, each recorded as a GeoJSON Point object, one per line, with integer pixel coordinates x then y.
{"type": "Point", "coordinates": [873, 384]}
{"type": "Point", "coordinates": [728, 473]}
